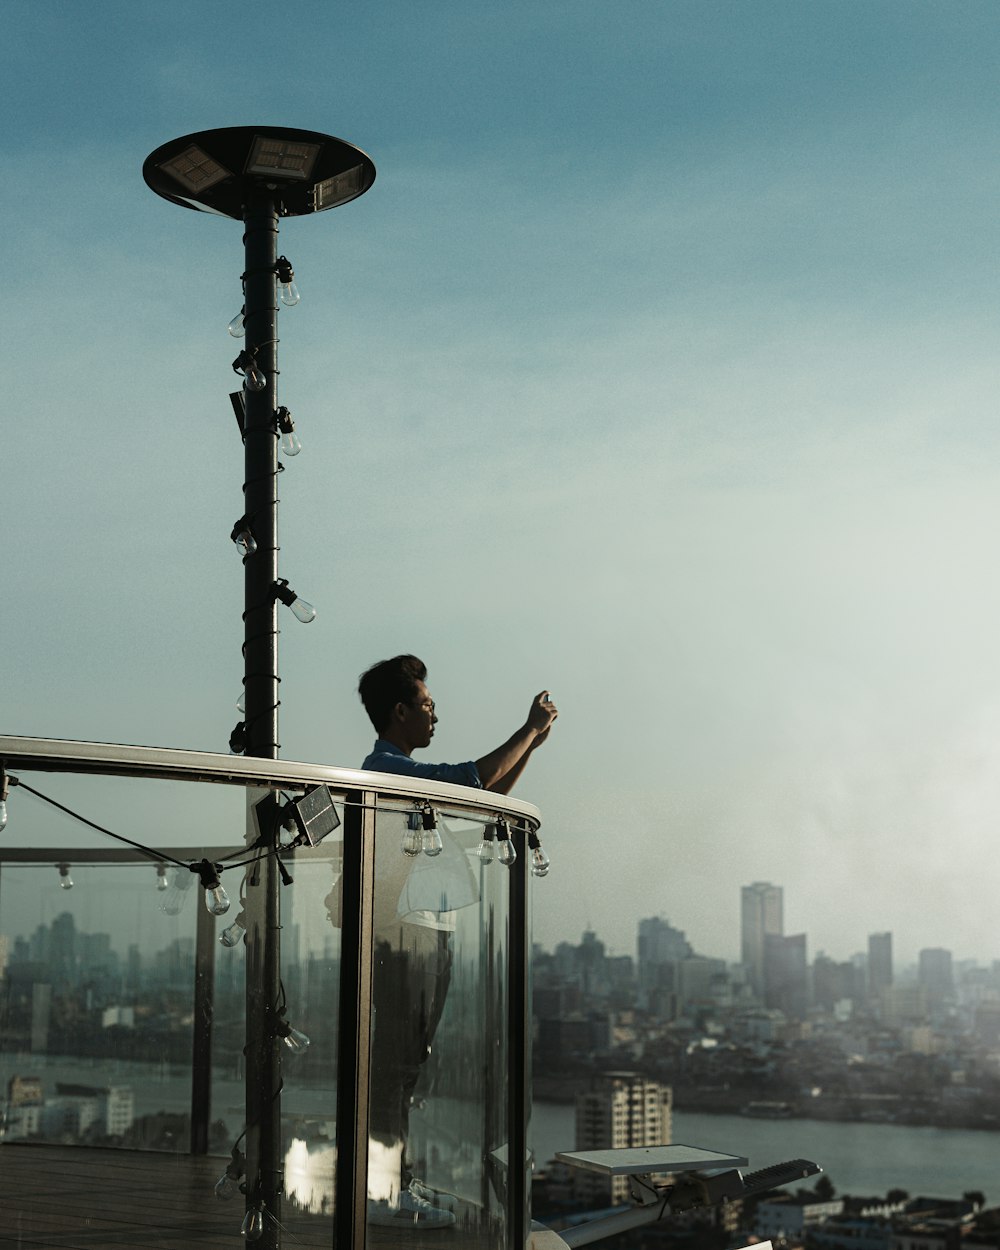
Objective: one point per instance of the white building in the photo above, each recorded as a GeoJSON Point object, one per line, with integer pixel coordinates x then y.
{"type": "Point", "coordinates": [619, 1109]}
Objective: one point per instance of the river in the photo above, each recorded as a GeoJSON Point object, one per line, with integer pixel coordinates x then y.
{"type": "Point", "coordinates": [860, 1159]}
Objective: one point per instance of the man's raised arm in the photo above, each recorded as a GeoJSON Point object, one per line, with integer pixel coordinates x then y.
{"type": "Point", "coordinates": [501, 767]}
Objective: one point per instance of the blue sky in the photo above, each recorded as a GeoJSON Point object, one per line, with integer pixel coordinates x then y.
{"type": "Point", "coordinates": [657, 368]}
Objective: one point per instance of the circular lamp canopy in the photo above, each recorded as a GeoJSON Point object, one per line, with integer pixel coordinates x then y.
{"type": "Point", "coordinates": [217, 171]}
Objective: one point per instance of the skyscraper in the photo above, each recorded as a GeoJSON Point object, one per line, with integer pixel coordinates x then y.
{"type": "Point", "coordinates": [761, 913]}
{"type": "Point", "coordinates": [879, 963]}
{"type": "Point", "coordinates": [934, 976]}
{"type": "Point", "coordinates": [786, 974]}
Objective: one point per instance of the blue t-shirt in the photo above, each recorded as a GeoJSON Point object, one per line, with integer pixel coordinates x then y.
{"type": "Point", "coordinates": [386, 757]}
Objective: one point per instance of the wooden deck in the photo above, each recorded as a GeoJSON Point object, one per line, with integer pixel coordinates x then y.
{"type": "Point", "coordinates": [79, 1198]}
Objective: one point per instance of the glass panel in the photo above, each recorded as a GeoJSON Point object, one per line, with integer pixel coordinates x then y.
{"type": "Point", "coordinates": [311, 975]}
{"type": "Point", "coordinates": [438, 1112]}
{"type": "Point", "coordinates": [96, 987]}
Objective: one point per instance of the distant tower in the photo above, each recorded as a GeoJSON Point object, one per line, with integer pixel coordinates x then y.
{"type": "Point", "coordinates": [934, 976]}
{"type": "Point", "coordinates": [761, 913]}
{"type": "Point", "coordinates": [619, 1109]}
{"type": "Point", "coordinates": [879, 963]}
{"type": "Point", "coordinates": [661, 948]}
{"type": "Point", "coordinates": [786, 974]}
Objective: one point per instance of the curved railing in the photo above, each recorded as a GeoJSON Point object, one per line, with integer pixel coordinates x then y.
{"type": "Point", "coordinates": [371, 915]}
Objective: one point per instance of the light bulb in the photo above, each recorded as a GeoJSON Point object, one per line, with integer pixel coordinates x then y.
{"type": "Point", "coordinates": [241, 702]}
{"type": "Point", "coordinates": [3, 813]}
{"type": "Point", "coordinates": [237, 328]}
{"type": "Point", "coordinates": [162, 884]}
{"type": "Point", "coordinates": [217, 900]}
{"type": "Point", "coordinates": [65, 880]}
{"type": "Point", "coordinates": [177, 892]}
{"type": "Point", "coordinates": [486, 848]}
{"type": "Point", "coordinates": [412, 842]}
{"type": "Point", "coordinates": [540, 862]}
{"type": "Point", "coordinates": [253, 376]}
{"type": "Point", "coordinates": [296, 1041]}
{"type": "Point", "coordinates": [431, 843]}
{"type": "Point", "coordinates": [290, 444]}
{"type": "Point", "coordinates": [232, 935]}
{"type": "Point", "coordinates": [227, 1187]}
{"type": "Point", "coordinates": [305, 612]}
{"type": "Point", "coordinates": [287, 289]}
{"type": "Point", "coordinates": [245, 542]}
{"type": "Point", "coordinates": [253, 1224]}
{"type": "Point", "coordinates": [507, 854]}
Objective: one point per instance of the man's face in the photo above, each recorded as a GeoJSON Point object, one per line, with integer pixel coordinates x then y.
{"type": "Point", "coordinates": [418, 718]}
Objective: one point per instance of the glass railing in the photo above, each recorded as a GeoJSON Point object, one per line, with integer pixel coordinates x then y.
{"type": "Point", "coordinates": [382, 1081]}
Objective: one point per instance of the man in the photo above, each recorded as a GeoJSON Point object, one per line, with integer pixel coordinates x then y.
{"type": "Point", "coordinates": [413, 952]}
{"type": "Point", "coordinates": [400, 707]}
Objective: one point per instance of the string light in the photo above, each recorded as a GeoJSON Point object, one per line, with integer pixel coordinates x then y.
{"type": "Point", "coordinates": [65, 880]}
{"type": "Point", "coordinates": [237, 327]}
{"type": "Point", "coordinates": [540, 862]}
{"type": "Point", "coordinates": [242, 536]}
{"type": "Point", "coordinates": [305, 612]}
{"type": "Point", "coordinates": [294, 1039]}
{"type": "Point", "coordinates": [162, 884]}
{"type": "Point", "coordinates": [290, 444]}
{"type": "Point", "coordinates": [253, 1223]}
{"type": "Point", "coordinates": [486, 847]}
{"type": "Point", "coordinates": [216, 898]}
{"type": "Point", "coordinates": [5, 783]}
{"type": "Point", "coordinates": [228, 1184]}
{"type": "Point", "coordinates": [413, 837]}
{"type": "Point", "coordinates": [238, 738]}
{"type": "Point", "coordinates": [254, 377]}
{"type": "Point", "coordinates": [506, 851]}
{"type": "Point", "coordinates": [233, 934]}
{"type": "Point", "coordinates": [177, 893]}
{"type": "Point", "coordinates": [287, 289]}
{"type": "Point", "coordinates": [430, 842]}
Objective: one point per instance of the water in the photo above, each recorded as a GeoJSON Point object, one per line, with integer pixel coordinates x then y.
{"type": "Point", "coordinates": [860, 1159]}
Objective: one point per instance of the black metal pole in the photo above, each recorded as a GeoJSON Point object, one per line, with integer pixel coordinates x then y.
{"type": "Point", "coordinates": [519, 1047]}
{"type": "Point", "coordinates": [263, 1069]}
{"type": "Point", "coordinates": [201, 1041]}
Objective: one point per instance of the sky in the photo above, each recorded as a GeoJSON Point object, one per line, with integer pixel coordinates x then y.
{"type": "Point", "coordinates": [657, 369]}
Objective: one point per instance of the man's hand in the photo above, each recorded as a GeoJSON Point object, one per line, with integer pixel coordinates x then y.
{"type": "Point", "coordinates": [501, 768]}
{"type": "Point", "coordinates": [542, 713]}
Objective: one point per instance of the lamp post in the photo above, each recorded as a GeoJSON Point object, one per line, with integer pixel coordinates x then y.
{"type": "Point", "coordinates": [257, 175]}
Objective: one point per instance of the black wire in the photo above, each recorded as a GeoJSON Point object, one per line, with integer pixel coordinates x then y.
{"type": "Point", "coordinates": [226, 861]}
{"type": "Point", "coordinates": [157, 855]}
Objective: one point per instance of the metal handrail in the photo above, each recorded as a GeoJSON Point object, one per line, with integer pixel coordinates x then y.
{"type": "Point", "coordinates": [169, 763]}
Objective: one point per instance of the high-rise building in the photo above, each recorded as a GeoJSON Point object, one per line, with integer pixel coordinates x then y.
{"type": "Point", "coordinates": [618, 1110]}
{"type": "Point", "coordinates": [935, 976]}
{"type": "Point", "coordinates": [761, 914]}
{"type": "Point", "coordinates": [661, 949]}
{"type": "Point", "coordinates": [786, 974]}
{"type": "Point", "coordinates": [879, 963]}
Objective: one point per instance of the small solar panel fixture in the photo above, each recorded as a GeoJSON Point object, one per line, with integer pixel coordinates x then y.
{"type": "Point", "coordinates": [697, 1178]}
{"type": "Point", "coordinates": [220, 171]}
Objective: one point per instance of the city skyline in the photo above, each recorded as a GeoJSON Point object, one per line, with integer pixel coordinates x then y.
{"type": "Point", "coordinates": [303, 933]}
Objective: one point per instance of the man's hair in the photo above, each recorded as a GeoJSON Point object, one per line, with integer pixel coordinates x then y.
{"type": "Point", "coordinates": [387, 683]}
